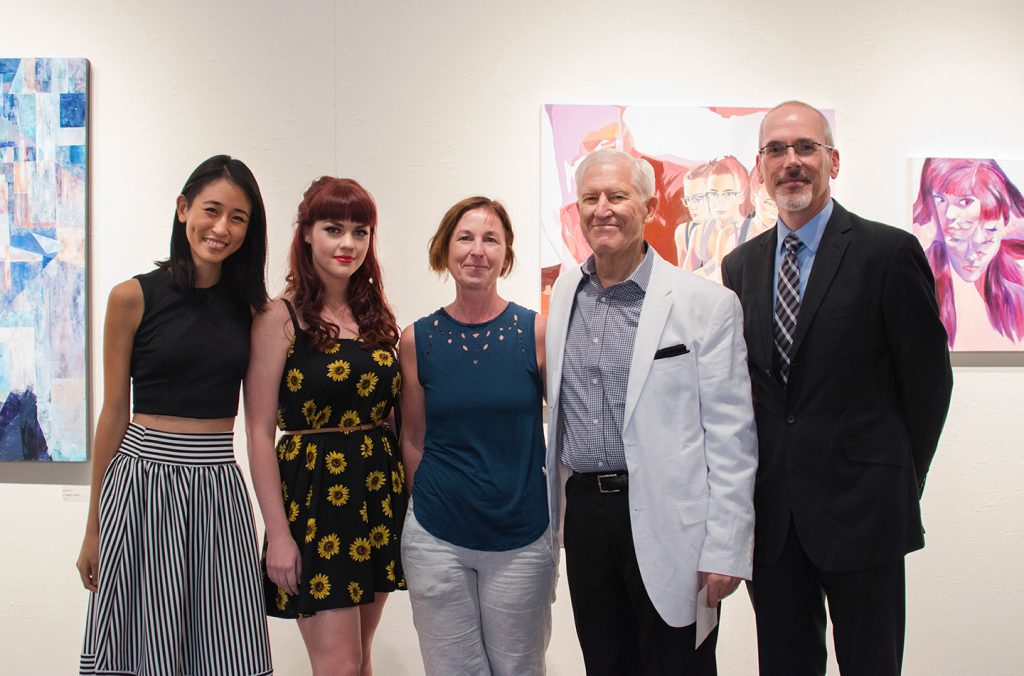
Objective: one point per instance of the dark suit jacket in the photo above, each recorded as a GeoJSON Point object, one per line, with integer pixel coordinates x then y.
{"type": "Point", "coordinates": [846, 446]}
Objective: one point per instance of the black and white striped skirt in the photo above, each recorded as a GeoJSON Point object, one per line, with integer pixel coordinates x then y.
{"type": "Point", "coordinates": [179, 579]}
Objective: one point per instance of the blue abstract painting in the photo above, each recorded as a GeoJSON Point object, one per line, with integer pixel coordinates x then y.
{"type": "Point", "coordinates": [43, 154]}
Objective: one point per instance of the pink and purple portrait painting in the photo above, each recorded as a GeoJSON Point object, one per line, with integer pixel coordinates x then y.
{"type": "Point", "coordinates": [710, 197]}
{"type": "Point", "coordinates": [969, 216]}
{"type": "Point", "coordinates": [43, 109]}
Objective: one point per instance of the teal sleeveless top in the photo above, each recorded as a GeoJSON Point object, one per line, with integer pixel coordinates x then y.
{"type": "Point", "coordinates": [480, 484]}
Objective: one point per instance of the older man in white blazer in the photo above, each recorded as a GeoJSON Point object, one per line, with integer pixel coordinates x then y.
{"type": "Point", "coordinates": [651, 413]}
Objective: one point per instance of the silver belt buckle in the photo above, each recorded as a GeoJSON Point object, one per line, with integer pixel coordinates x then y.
{"type": "Point", "coordinates": [600, 484]}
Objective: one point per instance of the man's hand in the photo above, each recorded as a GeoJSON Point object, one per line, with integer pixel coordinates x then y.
{"type": "Point", "coordinates": [719, 586]}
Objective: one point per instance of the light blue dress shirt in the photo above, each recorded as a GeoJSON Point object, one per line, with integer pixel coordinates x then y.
{"type": "Point", "coordinates": [810, 236]}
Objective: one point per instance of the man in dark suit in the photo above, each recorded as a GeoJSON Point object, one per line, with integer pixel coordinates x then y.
{"type": "Point", "coordinates": [851, 381]}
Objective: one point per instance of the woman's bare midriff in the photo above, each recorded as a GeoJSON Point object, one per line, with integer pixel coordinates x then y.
{"type": "Point", "coordinates": [170, 423]}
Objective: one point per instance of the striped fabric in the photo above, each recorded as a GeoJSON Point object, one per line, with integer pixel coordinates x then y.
{"type": "Point", "coordinates": [787, 304]}
{"type": "Point", "coordinates": [179, 589]}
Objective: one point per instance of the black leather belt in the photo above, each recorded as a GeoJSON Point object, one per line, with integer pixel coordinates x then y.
{"type": "Point", "coordinates": [605, 482]}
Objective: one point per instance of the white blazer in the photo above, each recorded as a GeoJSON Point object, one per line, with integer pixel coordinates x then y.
{"type": "Point", "coordinates": [688, 432]}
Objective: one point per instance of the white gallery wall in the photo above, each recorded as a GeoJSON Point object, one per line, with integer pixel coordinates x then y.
{"type": "Point", "coordinates": [427, 103]}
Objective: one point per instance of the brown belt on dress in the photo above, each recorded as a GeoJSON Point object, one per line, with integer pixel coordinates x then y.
{"type": "Point", "coordinates": [343, 430]}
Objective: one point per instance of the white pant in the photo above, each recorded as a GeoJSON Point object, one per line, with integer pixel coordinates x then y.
{"type": "Point", "coordinates": [479, 613]}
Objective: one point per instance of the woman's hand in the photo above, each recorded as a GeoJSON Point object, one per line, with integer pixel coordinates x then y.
{"type": "Point", "coordinates": [284, 563]}
{"type": "Point", "coordinates": [88, 563]}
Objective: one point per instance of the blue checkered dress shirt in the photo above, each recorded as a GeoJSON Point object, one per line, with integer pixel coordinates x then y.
{"type": "Point", "coordinates": [595, 368]}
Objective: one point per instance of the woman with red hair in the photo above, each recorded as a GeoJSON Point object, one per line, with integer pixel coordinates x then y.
{"type": "Point", "coordinates": [728, 215]}
{"type": "Point", "coordinates": [325, 373]}
{"type": "Point", "coordinates": [968, 215]}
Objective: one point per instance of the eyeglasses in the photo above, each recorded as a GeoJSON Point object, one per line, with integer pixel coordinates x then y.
{"type": "Point", "coordinates": [715, 195]}
{"type": "Point", "coordinates": [693, 200]}
{"type": "Point", "coordinates": [803, 148]}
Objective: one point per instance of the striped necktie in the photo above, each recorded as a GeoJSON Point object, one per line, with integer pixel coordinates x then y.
{"type": "Point", "coordinates": [787, 304]}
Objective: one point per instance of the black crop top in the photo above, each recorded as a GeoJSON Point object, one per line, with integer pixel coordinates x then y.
{"type": "Point", "coordinates": [191, 349]}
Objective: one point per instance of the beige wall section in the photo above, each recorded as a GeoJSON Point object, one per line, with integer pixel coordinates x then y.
{"type": "Point", "coordinates": [425, 105]}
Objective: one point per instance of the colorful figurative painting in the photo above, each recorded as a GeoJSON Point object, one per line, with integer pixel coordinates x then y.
{"type": "Point", "coordinates": [43, 106]}
{"type": "Point", "coordinates": [710, 199]}
{"type": "Point", "coordinates": [969, 216]}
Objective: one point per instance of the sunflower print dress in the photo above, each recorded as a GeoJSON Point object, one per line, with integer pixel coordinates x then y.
{"type": "Point", "coordinates": [343, 492]}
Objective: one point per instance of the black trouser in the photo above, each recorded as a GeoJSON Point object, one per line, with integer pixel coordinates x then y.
{"type": "Point", "coordinates": [867, 607]}
{"type": "Point", "coordinates": [620, 631]}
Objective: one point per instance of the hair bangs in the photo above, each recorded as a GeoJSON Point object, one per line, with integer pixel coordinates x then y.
{"type": "Point", "coordinates": [337, 200]}
{"type": "Point", "coordinates": [981, 183]}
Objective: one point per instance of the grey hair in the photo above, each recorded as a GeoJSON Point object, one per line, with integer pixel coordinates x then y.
{"type": "Point", "coordinates": [641, 173]}
{"type": "Point", "coordinates": [829, 140]}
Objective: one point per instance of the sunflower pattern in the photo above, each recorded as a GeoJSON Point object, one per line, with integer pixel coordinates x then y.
{"type": "Point", "coordinates": [367, 383]}
{"type": "Point", "coordinates": [339, 370]}
{"type": "Point", "coordinates": [355, 592]}
{"type": "Point", "coordinates": [282, 599]}
{"type": "Point", "coordinates": [293, 380]}
{"type": "Point", "coordinates": [339, 490]}
{"type": "Point", "coordinates": [320, 586]}
{"type": "Point", "coordinates": [359, 550]}
{"type": "Point", "coordinates": [337, 495]}
{"type": "Point", "coordinates": [329, 545]}
{"type": "Point", "coordinates": [379, 536]}
{"type": "Point", "coordinates": [290, 449]}
{"type": "Point", "coordinates": [375, 481]}
{"type": "Point", "coordinates": [315, 417]}
{"type": "Point", "coordinates": [383, 357]}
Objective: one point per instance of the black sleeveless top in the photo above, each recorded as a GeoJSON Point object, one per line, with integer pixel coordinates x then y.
{"type": "Point", "coordinates": [191, 349]}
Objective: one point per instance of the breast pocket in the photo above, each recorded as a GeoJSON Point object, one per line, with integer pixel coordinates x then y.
{"type": "Point", "coordinates": [670, 392]}
{"type": "Point", "coordinates": [681, 362]}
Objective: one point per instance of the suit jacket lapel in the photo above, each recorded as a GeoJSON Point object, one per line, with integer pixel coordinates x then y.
{"type": "Point", "coordinates": [826, 263]}
{"type": "Point", "coordinates": [559, 312]}
{"type": "Point", "coordinates": [763, 271]}
{"type": "Point", "coordinates": [653, 315]}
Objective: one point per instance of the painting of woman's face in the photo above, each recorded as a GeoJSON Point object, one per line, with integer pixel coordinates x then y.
{"type": "Point", "coordinates": [971, 241]}
{"type": "Point", "coordinates": [725, 196]}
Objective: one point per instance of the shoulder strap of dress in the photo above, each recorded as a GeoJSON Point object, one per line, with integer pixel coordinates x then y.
{"type": "Point", "coordinates": [295, 319]}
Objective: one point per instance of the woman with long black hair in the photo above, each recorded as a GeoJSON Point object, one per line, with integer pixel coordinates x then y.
{"type": "Point", "coordinates": [170, 549]}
